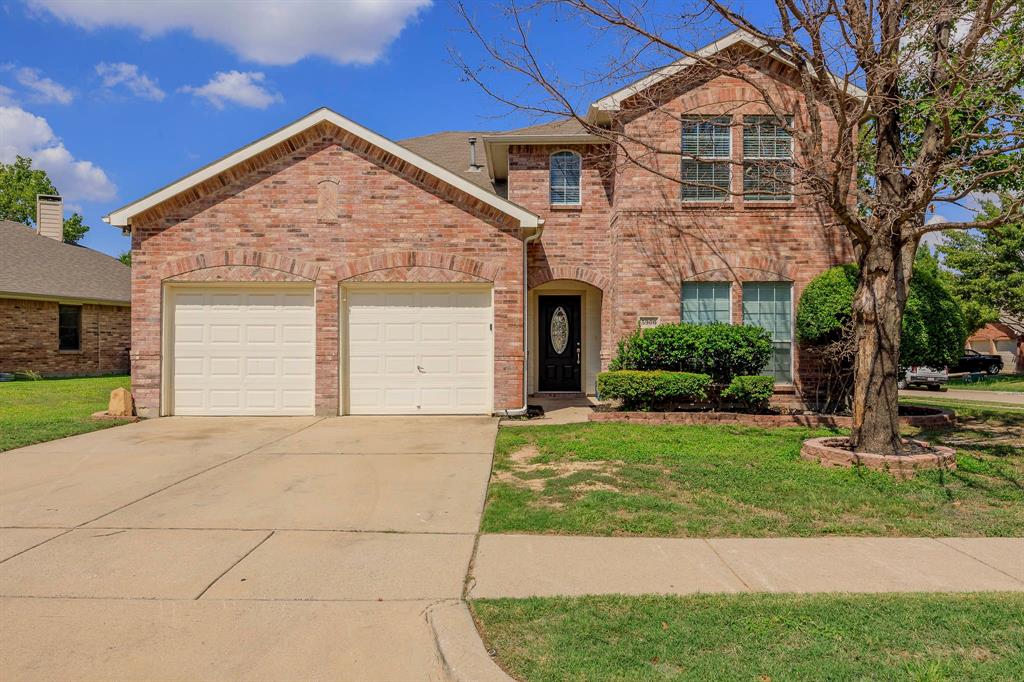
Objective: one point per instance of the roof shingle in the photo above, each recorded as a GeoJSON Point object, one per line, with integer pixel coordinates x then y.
{"type": "Point", "coordinates": [44, 267]}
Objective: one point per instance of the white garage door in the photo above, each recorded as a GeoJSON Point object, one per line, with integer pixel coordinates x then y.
{"type": "Point", "coordinates": [243, 351]}
{"type": "Point", "coordinates": [419, 351]}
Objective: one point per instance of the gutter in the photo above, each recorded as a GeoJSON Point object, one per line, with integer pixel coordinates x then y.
{"type": "Point", "coordinates": [519, 412]}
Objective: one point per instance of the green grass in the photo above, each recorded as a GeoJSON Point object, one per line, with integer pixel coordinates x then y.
{"type": "Point", "coordinates": [758, 637]}
{"type": "Point", "coordinates": [730, 481]}
{"type": "Point", "coordinates": [37, 411]}
{"type": "Point", "coordinates": [1001, 382]}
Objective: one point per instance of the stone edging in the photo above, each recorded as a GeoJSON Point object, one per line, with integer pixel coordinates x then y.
{"type": "Point", "coordinates": [944, 419]}
{"type": "Point", "coordinates": [829, 452]}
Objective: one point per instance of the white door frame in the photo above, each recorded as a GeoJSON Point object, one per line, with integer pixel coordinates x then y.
{"type": "Point", "coordinates": [344, 287]}
{"type": "Point", "coordinates": [167, 328]}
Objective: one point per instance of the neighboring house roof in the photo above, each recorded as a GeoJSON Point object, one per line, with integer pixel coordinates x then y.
{"type": "Point", "coordinates": [42, 267]}
{"type": "Point", "coordinates": [122, 216]}
{"type": "Point", "coordinates": [599, 110]}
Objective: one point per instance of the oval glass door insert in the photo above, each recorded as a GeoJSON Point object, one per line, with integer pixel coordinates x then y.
{"type": "Point", "coordinates": [559, 330]}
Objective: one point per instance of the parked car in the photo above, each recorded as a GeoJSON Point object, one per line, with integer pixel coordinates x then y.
{"type": "Point", "coordinates": [973, 361]}
{"type": "Point", "coordinates": [920, 375]}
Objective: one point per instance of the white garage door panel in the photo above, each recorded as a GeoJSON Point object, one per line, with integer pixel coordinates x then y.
{"type": "Point", "coordinates": [419, 352]}
{"type": "Point", "coordinates": [244, 352]}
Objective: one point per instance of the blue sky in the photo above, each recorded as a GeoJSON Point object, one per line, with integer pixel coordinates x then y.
{"type": "Point", "coordinates": [115, 98]}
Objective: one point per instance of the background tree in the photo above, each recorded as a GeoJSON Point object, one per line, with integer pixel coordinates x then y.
{"type": "Point", "coordinates": [920, 100]}
{"type": "Point", "coordinates": [19, 185]}
{"type": "Point", "coordinates": [987, 267]}
{"type": "Point", "coordinates": [126, 258]}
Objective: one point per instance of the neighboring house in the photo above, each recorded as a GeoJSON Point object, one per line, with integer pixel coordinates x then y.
{"type": "Point", "coordinates": [999, 338]}
{"type": "Point", "coordinates": [64, 309]}
{"type": "Point", "coordinates": [326, 269]}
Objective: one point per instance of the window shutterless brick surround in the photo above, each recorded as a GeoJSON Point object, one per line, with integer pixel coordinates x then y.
{"type": "Point", "coordinates": [29, 340]}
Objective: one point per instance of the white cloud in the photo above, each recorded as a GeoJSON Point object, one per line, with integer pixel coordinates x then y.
{"type": "Point", "coordinates": [6, 95]}
{"type": "Point", "coordinates": [270, 32]}
{"type": "Point", "coordinates": [128, 75]}
{"type": "Point", "coordinates": [236, 87]}
{"type": "Point", "coordinates": [44, 89]}
{"type": "Point", "coordinates": [23, 133]}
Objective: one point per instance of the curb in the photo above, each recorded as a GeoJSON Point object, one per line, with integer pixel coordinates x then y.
{"type": "Point", "coordinates": [459, 646]}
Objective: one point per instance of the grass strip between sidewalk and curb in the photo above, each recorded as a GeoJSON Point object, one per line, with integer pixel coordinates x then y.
{"type": "Point", "coordinates": [978, 636]}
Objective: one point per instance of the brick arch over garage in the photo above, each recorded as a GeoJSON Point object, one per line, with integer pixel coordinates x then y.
{"type": "Point", "coordinates": [579, 273]}
{"type": "Point", "coordinates": [250, 259]}
{"type": "Point", "coordinates": [393, 260]}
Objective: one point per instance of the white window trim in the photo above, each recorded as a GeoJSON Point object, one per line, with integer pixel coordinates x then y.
{"type": "Point", "coordinates": [710, 159]}
{"type": "Point", "coordinates": [682, 299]}
{"type": "Point", "coordinates": [791, 196]}
{"type": "Point", "coordinates": [579, 185]}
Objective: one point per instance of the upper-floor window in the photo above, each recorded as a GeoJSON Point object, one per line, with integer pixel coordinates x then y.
{"type": "Point", "coordinates": [565, 178]}
{"type": "Point", "coordinates": [767, 158]}
{"type": "Point", "coordinates": [69, 327]}
{"type": "Point", "coordinates": [706, 177]}
{"type": "Point", "coordinates": [705, 302]}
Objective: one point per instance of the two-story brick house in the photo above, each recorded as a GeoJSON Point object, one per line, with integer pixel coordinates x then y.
{"type": "Point", "coordinates": [325, 269]}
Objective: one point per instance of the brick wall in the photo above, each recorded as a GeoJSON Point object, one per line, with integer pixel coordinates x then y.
{"type": "Point", "coordinates": [634, 230]}
{"type": "Point", "coordinates": [28, 339]}
{"type": "Point", "coordinates": [380, 221]}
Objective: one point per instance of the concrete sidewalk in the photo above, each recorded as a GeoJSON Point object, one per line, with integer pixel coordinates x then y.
{"type": "Point", "coordinates": [544, 565]}
{"type": "Point", "coordinates": [968, 395]}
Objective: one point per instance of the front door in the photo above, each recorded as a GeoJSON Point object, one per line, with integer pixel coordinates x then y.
{"type": "Point", "coordinates": [560, 351]}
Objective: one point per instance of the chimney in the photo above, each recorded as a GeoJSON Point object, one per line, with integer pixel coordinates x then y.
{"type": "Point", "coordinates": [473, 165]}
{"type": "Point", "coordinates": [50, 216]}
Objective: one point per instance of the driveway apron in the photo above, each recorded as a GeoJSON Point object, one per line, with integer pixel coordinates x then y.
{"type": "Point", "coordinates": [238, 548]}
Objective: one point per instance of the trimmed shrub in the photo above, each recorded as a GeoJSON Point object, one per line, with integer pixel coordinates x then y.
{"type": "Point", "coordinates": [753, 393]}
{"type": "Point", "coordinates": [934, 329]}
{"type": "Point", "coordinates": [719, 350]}
{"type": "Point", "coordinates": [640, 390]}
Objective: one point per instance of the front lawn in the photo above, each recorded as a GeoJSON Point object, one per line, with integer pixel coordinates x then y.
{"type": "Point", "coordinates": [731, 481]}
{"type": "Point", "coordinates": [37, 411]}
{"type": "Point", "coordinates": [758, 637]}
{"type": "Point", "coordinates": [1000, 382]}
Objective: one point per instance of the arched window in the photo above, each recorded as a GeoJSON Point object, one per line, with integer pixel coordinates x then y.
{"type": "Point", "coordinates": [565, 178]}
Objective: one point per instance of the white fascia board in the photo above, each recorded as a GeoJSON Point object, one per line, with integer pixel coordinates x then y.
{"type": "Point", "coordinates": [504, 141]}
{"type": "Point", "coordinates": [122, 216]}
{"type": "Point", "coordinates": [613, 101]}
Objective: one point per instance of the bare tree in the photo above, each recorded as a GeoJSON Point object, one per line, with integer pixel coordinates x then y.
{"type": "Point", "coordinates": [904, 105]}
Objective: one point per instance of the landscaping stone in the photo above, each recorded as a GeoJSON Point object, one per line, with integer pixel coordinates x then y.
{"type": "Point", "coordinates": [835, 452]}
{"type": "Point", "coordinates": [121, 403]}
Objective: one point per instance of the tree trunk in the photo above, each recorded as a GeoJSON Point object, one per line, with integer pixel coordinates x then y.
{"type": "Point", "coordinates": [885, 268]}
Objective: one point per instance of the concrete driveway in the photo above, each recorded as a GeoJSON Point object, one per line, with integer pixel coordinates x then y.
{"type": "Point", "coordinates": [238, 548]}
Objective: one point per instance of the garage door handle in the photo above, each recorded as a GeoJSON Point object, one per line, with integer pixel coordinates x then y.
{"type": "Point", "coordinates": [420, 368]}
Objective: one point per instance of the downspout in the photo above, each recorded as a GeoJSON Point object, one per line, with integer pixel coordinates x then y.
{"type": "Point", "coordinates": [519, 412]}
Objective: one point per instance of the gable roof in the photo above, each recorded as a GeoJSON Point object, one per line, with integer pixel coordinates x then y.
{"type": "Point", "coordinates": [41, 267]}
{"type": "Point", "coordinates": [122, 216]}
{"type": "Point", "coordinates": [599, 110]}
{"type": "Point", "coordinates": [450, 150]}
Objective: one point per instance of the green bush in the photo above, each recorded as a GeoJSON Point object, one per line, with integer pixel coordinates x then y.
{"type": "Point", "coordinates": [753, 393]}
{"type": "Point", "coordinates": [719, 350]}
{"type": "Point", "coordinates": [640, 390]}
{"type": "Point", "coordinates": [934, 329]}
